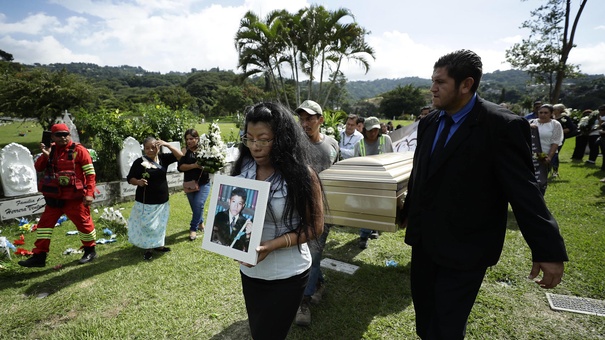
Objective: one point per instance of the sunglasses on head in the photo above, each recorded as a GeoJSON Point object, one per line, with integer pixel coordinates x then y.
{"type": "Point", "coordinates": [61, 134]}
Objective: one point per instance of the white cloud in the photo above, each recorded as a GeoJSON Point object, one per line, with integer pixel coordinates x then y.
{"type": "Point", "coordinates": [589, 58]}
{"type": "Point", "coordinates": [177, 35]}
{"type": "Point", "coordinates": [73, 26]}
{"type": "Point", "coordinates": [33, 24]}
{"type": "Point", "coordinates": [48, 46]}
{"type": "Point", "coordinates": [165, 35]}
{"type": "Point", "coordinates": [398, 56]}
{"type": "Point", "coordinates": [512, 39]}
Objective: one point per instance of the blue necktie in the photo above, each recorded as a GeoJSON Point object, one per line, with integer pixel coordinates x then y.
{"type": "Point", "coordinates": [442, 137]}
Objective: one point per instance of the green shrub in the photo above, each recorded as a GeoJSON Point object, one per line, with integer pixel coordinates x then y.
{"type": "Point", "coordinates": [105, 131]}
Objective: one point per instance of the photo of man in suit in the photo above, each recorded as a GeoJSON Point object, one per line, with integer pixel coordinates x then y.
{"type": "Point", "coordinates": [231, 228]}
{"type": "Point", "coordinates": [472, 160]}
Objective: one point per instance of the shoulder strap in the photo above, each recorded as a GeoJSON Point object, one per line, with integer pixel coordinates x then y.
{"type": "Point", "coordinates": [49, 163]}
{"type": "Point", "coordinates": [362, 147]}
{"type": "Point", "coordinates": [156, 164]}
{"type": "Point", "coordinates": [70, 153]}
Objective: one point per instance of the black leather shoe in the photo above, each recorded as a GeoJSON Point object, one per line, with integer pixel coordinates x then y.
{"type": "Point", "coordinates": [89, 255]}
{"type": "Point", "coordinates": [37, 260]}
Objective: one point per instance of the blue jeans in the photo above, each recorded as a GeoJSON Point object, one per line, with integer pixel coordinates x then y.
{"type": "Point", "coordinates": [316, 248]}
{"type": "Point", "coordinates": [364, 233]}
{"type": "Point", "coordinates": [197, 200]}
{"type": "Point", "coordinates": [554, 162]}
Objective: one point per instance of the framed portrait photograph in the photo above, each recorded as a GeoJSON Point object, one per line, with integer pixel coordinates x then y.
{"type": "Point", "coordinates": [236, 214]}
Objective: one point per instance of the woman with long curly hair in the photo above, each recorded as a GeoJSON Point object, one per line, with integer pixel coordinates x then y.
{"type": "Point", "coordinates": [275, 149]}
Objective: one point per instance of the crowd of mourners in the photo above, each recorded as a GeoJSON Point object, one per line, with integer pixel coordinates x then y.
{"type": "Point", "coordinates": [454, 226]}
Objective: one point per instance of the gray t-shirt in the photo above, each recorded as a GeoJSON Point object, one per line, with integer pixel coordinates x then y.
{"type": "Point", "coordinates": [328, 150]}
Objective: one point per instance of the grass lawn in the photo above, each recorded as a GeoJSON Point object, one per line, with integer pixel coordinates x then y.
{"type": "Point", "coordinates": [190, 293]}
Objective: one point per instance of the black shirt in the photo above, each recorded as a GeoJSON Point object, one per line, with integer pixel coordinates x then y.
{"type": "Point", "coordinates": [193, 174]}
{"type": "Point", "coordinates": [156, 191]}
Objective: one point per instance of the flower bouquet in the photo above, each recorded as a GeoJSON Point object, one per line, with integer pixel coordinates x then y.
{"type": "Point", "coordinates": [211, 152]}
{"type": "Point", "coordinates": [541, 157]}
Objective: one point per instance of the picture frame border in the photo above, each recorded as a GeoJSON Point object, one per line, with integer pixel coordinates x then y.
{"type": "Point", "coordinates": [262, 199]}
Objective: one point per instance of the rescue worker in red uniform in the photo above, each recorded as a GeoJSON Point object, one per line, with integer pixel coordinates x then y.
{"type": "Point", "coordinates": [68, 186]}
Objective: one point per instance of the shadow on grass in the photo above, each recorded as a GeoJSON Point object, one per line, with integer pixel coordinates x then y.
{"type": "Point", "coordinates": [72, 272]}
{"type": "Point", "coordinates": [238, 330]}
{"type": "Point", "coordinates": [352, 302]}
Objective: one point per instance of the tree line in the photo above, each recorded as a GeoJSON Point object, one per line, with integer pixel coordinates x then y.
{"type": "Point", "coordinates": [290, 57]}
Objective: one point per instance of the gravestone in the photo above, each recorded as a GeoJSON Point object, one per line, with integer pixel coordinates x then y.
{"type": "Point", "coordinates": [131, 150]}
{"type": "Point", "coordinates": [174, 166]}
{"type": "Point", "coordinates": [72, 127]}
{"type": "Point", "coordinates": [17, 171]}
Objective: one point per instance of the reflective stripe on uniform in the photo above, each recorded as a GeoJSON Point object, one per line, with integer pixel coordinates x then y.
{"type": "Point", "coordinates": [88, 169]}
{"type": "Point", "coordinates": [44, 233]}
{"type": "Point", "coordinates": [88, 237]}
{"type": "Point", "coordinates": [362, 146]}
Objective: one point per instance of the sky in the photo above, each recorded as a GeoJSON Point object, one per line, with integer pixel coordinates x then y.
{"type": "Point", "coordinates": [179, 35]}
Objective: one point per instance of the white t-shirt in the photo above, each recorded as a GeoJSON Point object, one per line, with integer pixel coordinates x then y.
{"type": "Point", "coordinates": [550, 133]}
{"type": "Point", "coordinates": [283, 262]}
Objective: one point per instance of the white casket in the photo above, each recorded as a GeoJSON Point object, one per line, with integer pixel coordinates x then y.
{"type": "Point", "coordinates": [367, 192]}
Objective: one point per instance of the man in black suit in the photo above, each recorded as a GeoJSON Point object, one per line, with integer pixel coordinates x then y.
{"type": "Point", "coordinates": [231, 228]}
{"type": "Point", "coordinates": [458, 195]}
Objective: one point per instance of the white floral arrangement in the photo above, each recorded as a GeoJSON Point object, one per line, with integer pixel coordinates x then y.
{"type": "Point", "coordinates": [113, 215]}
{"type": "Point", "coordinates": [328, 131]}
{"type": "Point", "coordinates": [211, 151]}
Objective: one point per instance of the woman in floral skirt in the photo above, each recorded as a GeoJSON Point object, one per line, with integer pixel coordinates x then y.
{"type": "Point", "coordinates": [149, 215]}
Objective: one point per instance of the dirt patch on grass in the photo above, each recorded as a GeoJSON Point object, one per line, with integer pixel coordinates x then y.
{"type": "Point", "coordinates": [58, 320]}
{"type": "Point", "coordinates": [115, 309]}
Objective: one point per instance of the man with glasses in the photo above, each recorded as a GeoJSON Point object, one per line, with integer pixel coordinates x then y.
{"type": "Point", "coordinates": [349, 137]}
{"type": "Point", "coordinates": [68, 186]}
{"type": "Point", "coordinates": [311, 117]}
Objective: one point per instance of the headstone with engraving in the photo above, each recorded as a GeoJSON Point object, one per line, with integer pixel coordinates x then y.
{"type": "Point", "coordinates": [17, 171]}
{"type": "Point", "coordinates": [131, 150]}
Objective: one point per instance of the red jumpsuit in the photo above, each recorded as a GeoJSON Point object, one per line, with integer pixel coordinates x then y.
{"type": "Point", "coordinates": [68, 178]}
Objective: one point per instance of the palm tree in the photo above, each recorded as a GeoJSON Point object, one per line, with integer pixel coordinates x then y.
{"type": "Point", "coordinates": [292, 36]}
{"type": "Point", "coordinates": [327, 43]}
{"type": "Point", "coordinates": [317, 25]}
{"type": "Point", "coordinates": [260, 49]}
{"type": "Point", "coordinates": [311, 41]}
{"type": "Point", "coordinates": [350, 45]}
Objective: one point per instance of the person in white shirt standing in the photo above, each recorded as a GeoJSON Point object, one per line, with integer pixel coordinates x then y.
{"type": "Point", "coordinates": [349, 137]}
